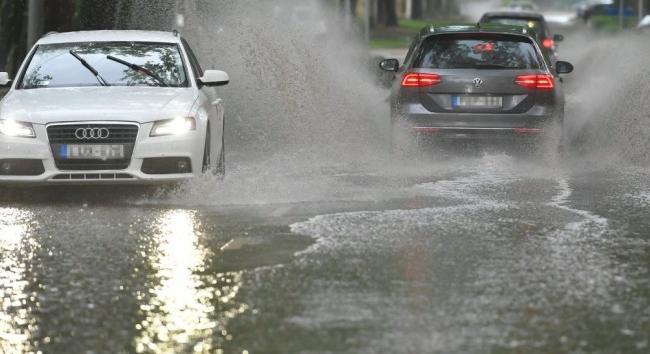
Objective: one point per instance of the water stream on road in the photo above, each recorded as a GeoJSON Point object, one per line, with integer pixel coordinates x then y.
{"type": "Point", "coordinates": [460, 254]}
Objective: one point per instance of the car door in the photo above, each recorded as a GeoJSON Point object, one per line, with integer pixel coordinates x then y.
{"type": "Point", "coordinates": [214, 107]}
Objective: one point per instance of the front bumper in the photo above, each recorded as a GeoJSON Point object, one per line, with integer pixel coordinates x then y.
{"type": "Point", "coordinates": [190, 145]}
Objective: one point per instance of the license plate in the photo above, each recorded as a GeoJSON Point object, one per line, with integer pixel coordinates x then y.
{"type": "Point", "coordinates": [476, 102]}
{"type": "Point", "coordinates": [91, 152]}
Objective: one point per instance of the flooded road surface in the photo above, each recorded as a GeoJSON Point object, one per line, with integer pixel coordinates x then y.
{"type": "Point", "coordinates": [483, 253]}
{"type": "Point", "coordinates": [490, 255]}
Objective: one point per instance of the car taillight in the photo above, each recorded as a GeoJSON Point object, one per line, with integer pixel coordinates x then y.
{"type": "Point", "coordinates": [536, 82]}
{"type": "Point", "coordinates": [420, 80]}
{"type": "Point", "coordinates": [548, 43]}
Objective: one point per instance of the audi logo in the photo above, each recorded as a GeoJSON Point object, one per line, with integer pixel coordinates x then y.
{"type": "Point", "coordinates": [92, 133]}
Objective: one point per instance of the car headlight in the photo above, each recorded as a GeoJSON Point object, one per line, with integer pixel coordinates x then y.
{"type": "Point", "coordinates": [12, 128]}
{"type": "Point", "coordinates": [176, 126]}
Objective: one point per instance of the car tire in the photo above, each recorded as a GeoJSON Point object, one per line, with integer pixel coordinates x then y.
{"type": "Point", "coordinates": [220, 169]}
{"type": "Point", "coordinates": [206, 153]}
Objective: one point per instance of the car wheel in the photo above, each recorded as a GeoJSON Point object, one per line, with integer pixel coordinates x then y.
{"type": "Point", "coordinates": [220, 169]}
{"type": "Point", "coordinates": [206, 152]}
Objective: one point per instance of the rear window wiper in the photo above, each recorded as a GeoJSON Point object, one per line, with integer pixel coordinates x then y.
{"type": "Point", "coordinates": [90, 68]}
{"type": "Point", "coordinates": [138, 68]}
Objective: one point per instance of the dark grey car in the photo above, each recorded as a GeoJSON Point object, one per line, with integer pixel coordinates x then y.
{"type": "Point", "coordinates": [534, 21]}
{"type": "Point", "coordinates": [471, 82]}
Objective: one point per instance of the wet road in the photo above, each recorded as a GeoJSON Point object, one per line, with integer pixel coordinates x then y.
{"type": "Point", "coordinates": [485, 253]}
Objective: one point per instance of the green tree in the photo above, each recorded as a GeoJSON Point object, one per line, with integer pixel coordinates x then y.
{"type": "Point", "coordinates": [13, 34]}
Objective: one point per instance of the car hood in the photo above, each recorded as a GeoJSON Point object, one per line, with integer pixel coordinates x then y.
{"type": "Point", "coordinates": [142, 105]}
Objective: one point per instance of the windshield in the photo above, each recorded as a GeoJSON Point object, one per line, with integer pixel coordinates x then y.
{"type": "Point", "coordinates": [55, 65]}
{"type": "Point", "coordinates": [477, 52]}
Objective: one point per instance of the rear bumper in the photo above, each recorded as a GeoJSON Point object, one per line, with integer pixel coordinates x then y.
{"type": "Point", "coordinates": [416, 115]}
{"type": "Point", "coordinates": [417, 120]}
{"type": "Point", "coordinates": [479, 134]}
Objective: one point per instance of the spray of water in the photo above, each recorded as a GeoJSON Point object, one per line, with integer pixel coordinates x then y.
{"type": "Point", "coordinates": [303, 97]}
{"type": "Point", "coordinates": [607, 111]}
{"type": "Point", "coordinates": [304, 107]}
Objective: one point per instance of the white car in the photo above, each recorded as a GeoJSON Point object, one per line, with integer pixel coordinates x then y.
{"type": "Point", "coordinates": [111, 107]}
{"type": "Point", "coordinates": [645, 23]}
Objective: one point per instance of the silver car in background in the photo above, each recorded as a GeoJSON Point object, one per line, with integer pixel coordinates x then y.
{"type": "Point", "coordinates": [489, 83]}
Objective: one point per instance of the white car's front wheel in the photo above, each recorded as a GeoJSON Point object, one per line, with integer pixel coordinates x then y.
{"type": "Point", "coordinates": [217, 168]}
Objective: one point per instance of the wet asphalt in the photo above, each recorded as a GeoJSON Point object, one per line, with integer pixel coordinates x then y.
{"type": "Point", "coordinates": [489, 253]}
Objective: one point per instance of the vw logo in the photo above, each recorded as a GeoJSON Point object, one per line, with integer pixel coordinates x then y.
{"type": "Point", "coordinates": [92, 133]}
{"type": "Point", "coordinates": [478, 82]}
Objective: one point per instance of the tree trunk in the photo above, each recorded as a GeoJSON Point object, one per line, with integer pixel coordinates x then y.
{"type": "Point", "coordinates": [387, 15]}
{"type": "Point", "coordinates": [417, 9]}
{"type": "Point", "coordinates": [13, 35]}
{"type": "Point", "coordinates": [353, 7]}
{"type": "Point", "coordinates": [59, 15]}
{"type": "Point", "coordinates": [97, 14]}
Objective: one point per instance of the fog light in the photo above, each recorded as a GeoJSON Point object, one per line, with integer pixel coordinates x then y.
{"type": "Point", "coordinates": [183, 166]}
{"type": "Point", "coordinates": [21, 167]}
{"type": "Point", "coordinates": [6, 167]}
{"type": "Point", "coordinates": [166, 165]}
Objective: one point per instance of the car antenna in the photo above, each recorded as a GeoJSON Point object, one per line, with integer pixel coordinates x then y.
{"type": "Point", "coordinates": [478, 25]}
{"type": "Point", "coordinates": [175, 33]}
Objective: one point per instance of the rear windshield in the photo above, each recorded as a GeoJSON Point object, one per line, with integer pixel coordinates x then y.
{"type": "Point", "coordinates": [477, 51]}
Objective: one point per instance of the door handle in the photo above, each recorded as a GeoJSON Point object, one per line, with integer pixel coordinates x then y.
{"type": "Point", "coordinates": [217, 102]}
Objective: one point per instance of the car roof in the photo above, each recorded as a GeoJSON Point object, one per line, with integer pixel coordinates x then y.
{"type": "Point", "coordinates": [110, 36]}
{"type": "Point", "coordinates": [515, 14]}
{"type": "Point", "coordinates": [479, 28]}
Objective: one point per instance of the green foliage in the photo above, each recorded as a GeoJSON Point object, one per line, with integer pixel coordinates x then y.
{"type": "Point", "coordinates": [612, 23]}
{"type": "Point", "coordinates": [401, 36]}
{"type": "Point", "coordinates": [508, 2]}
{"type": "Point", "coordinates": [386, 43]}
{"type": "Point", "coordinates": [12, 35]}
{"type": "Point", "coordinates": [417, 25]}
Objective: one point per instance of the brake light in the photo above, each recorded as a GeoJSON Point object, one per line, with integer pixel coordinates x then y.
{"type": "Point", "coordinates": [548, 43]}
{"type": "Point", "coordinates": [536, 82]}
{"type": "Point", "coordinates": [420, 80]}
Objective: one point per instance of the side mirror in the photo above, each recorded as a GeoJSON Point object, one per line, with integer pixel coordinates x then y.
{"type": "Point", "coordinates": [563, 67]}
{"type": "Point", "coordinates": [389, 65]}
{"type": "Point", "coordinates": [558, 38]}
{"type": "Point", "coordinates": [4, 79]}
{"type": "Point", "coordinates": [213, 78]}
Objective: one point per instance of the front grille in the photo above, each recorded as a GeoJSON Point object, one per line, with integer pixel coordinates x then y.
{"type": "Point", "coordinates": [120, 134]}
{"type": "Point", "coordinates": [94, 176]}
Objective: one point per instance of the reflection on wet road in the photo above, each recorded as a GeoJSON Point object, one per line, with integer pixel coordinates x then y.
{"type": "Point", "coordinates": [14, 316]}
{"type": "Point", "coordinates": [492, 254]}
{"type": "Point", "coordinates": [485, 253]}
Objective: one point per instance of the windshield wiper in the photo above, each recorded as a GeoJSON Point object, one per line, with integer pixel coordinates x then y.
{"type": "Point", "coordinates": [138, 68]}
{"type": "Point", "coordinates": [90, 68]}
